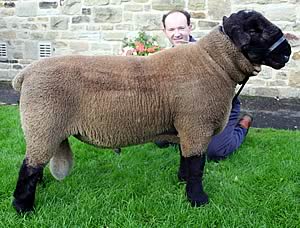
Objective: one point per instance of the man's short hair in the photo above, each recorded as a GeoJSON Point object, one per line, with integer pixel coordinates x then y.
{"type": "Point", "coordinates": [185, 13]}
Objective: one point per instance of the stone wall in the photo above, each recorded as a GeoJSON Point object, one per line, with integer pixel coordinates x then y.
{"type": "Point", "coordinates": [97, 27]}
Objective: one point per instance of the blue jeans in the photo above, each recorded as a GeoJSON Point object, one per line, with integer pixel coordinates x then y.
{"type": "Point", "coordinates": [226, 142]}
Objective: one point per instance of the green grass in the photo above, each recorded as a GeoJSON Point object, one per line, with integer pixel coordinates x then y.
{"type": "Point", "coordinates": [259, 186]}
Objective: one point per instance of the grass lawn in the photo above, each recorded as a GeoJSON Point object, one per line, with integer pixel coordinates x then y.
{"type": "Point", "coordinates": [259, 186]}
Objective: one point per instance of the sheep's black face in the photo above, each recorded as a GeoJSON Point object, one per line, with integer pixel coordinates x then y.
{"type": "Point", "coordinates": [260, 41]}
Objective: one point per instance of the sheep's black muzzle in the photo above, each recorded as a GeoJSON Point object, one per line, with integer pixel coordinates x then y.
{"type": "Point", "coordinates": [275, 56]}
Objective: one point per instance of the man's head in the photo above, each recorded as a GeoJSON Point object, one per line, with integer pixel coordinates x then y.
{"type": "Point", "coordinates": [177, 26]}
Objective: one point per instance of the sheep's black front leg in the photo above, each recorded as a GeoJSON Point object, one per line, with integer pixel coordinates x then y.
{"type": "Point", "coordinates": [183, 169]}
{"type": "Point", "coordinates": [194, 188]}
{"type": "Point", "coordinates": [26, 186]}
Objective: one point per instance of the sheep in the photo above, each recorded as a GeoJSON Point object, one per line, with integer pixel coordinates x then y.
{"type": "Point", "coordinates": [182, 95]}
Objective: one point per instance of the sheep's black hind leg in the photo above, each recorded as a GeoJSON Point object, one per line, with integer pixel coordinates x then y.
{"type": "Point", "coordinates": [194, 188]}
{"type": "Point", "coordinates": [26, 186]}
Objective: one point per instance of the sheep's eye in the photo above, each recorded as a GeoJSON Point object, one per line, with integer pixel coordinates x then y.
{"type": "Point", "coordinates": [252, 31]}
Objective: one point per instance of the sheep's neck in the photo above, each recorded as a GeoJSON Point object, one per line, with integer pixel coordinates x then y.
{"type": "Point", "coordinates": [226, 55]}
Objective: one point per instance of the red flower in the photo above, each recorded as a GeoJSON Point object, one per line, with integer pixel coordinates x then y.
{"type": "Point", "coordinates": [139, 47]}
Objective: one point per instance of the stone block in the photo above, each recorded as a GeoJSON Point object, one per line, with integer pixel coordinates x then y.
{"type": "Point", "coordinates": [107, 27]}
{"type": "Point", "coordinates": [77, 27]}
{"type": "Point", "coordinates": [262, 2]}
{"type": "Point", "coordinates": [31, 50]}
{"type": "Point", "coordinates": [37, 35]}
{"type": "Point", "coordinates": [80, 19]}
{"type": "Point", "coordinates": [22, 34]}
{"type": "Point", "coordinates": [96, 2]}
{"type": "Point", "coordinates": [256, 81]}
{"type": "Point", "coordinates": [7, 35]}
{"type": "Point", "coordinates": [48, 4]}
{"type": "Point", "coordinates": [294, 78]}
{"type": "Point", "coordinates": [207, 25]}
{"type": "Point", "coordinates": [42, 19]}
{"type": "Point", "coordinates": [196, 4]}
{"type": "Point", "coordinates": [217, 9]}
{"type": "Point", "coordinates": [128, 27]}
{"type": "Point", "coordinates": [280, 75]}
{"type": "Point", "coordinates": [198, 15]}
{"type": "Point", "coordinates": [288, 92]}
{"type": "Point", "coordinates": [59, 23]}
{"type": "Point", "coordinates": [79, 46]}
{"type": "Point", "coordinates": [27, 9]}
{"type": "Point", "coordinates": [69, 35]}
{"type": "Point", "coordinates": [167, 4]}
{"type": "Point", "coordinates": [107, 15]}
{"type": "Point", "coordinates": [4, 75]}
{"type": "Point", "coordinates": [115, 2]}
{"type": "Point", "coordinates": [147, 21]}
{"type": "Point", "coordinates": [266, 91]}
{"type": "Point", "coordinates": [93, 27]}
{"type": "Point", "coordinates": [71, 7]}
{"type": "Point", "coordinates": [50, 35]}
{"type": "Point", "coordinates": [147, 8]}
{"type": "Point", "coordinates": [275, 83]}
{"type": "Point", "coordinates": [86, 11]}
{"type": "Point", "coordinates": [113, 36]}
{"type": "Point", "coordinates": [89, 35]}
{"type": "Point", "coordinates": [3, 24]}
{"type": "Point", "coordinates": [133, 8]}
{"type": "Point", "coordinates": [9, 4]}
{"type": "Point", "coordinates": [141, 1]}
{"type": "Point", "coordinates": [4, 12]}
{"type": "Point", "coordinates": [274, 12]}
{"type": "Point", "coordinates": [296, 55]}
{"type": "Point", "coordinates": [17, 67]}
{"type": "Point", "coordinates": [101, 47]}
{"type": "Point", "coordinates": [17, 55]}
{"type": "Point", "coordinates": [127, 16]}
{"type": "Point", "coordinates": [4, 66]}
{"type": "Point", "coordinates": [29, 26]}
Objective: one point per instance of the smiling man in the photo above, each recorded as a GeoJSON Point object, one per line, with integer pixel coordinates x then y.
{"type": "Point", "coordinates": [177, 27]}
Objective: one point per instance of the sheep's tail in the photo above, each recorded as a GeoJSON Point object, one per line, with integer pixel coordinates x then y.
{"type": "Point", "coordinates": [18, 80]}
{"type": "Point", "coordinates": [62, 161]}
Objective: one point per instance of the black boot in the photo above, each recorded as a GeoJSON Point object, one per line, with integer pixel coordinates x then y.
{"type": "Point", "coordinates": [182, 171]}
{"type": "Point", "coordinates": [26, 186]}
{"type": "Point", "coordinates": [194, 189]}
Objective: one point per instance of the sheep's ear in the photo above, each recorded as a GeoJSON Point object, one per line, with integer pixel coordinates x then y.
{"type": "Point", "coordinates": [233, 27]}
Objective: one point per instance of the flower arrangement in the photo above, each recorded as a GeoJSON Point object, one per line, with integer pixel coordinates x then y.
{"type": "Point", "coordinates": [141, 45]}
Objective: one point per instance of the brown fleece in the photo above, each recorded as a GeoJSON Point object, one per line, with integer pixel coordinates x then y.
{"type": "Point", "coordinates": [115, 101]}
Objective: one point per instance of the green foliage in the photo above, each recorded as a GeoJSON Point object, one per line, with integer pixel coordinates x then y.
{"type": "Point", "coordinates": [259, 186]}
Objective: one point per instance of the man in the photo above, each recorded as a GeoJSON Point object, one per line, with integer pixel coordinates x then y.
{"type": "Point", "coordinates": [177, 28]}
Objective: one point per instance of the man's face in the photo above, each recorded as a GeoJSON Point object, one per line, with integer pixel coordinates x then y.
{"type": "Point", "coordinates": [177, 30]}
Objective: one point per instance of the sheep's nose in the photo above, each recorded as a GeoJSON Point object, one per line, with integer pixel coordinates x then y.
{"type": "Point", "coordinates": [286, 58]}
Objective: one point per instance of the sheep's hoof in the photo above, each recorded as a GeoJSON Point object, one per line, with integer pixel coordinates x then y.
{"type": "Point", "coordinates": [22, 207]}
{"type": "Point", "coordinates": [198, 201]}
{"type": "Point", "coordinates": [195, 194]}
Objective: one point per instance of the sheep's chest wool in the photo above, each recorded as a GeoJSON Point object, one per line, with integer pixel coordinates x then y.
{"type": "Point", "coordinates": [183, 94]}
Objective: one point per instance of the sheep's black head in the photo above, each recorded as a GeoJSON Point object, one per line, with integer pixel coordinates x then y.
{"type": "Point", "coordinates": [261, 41]}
